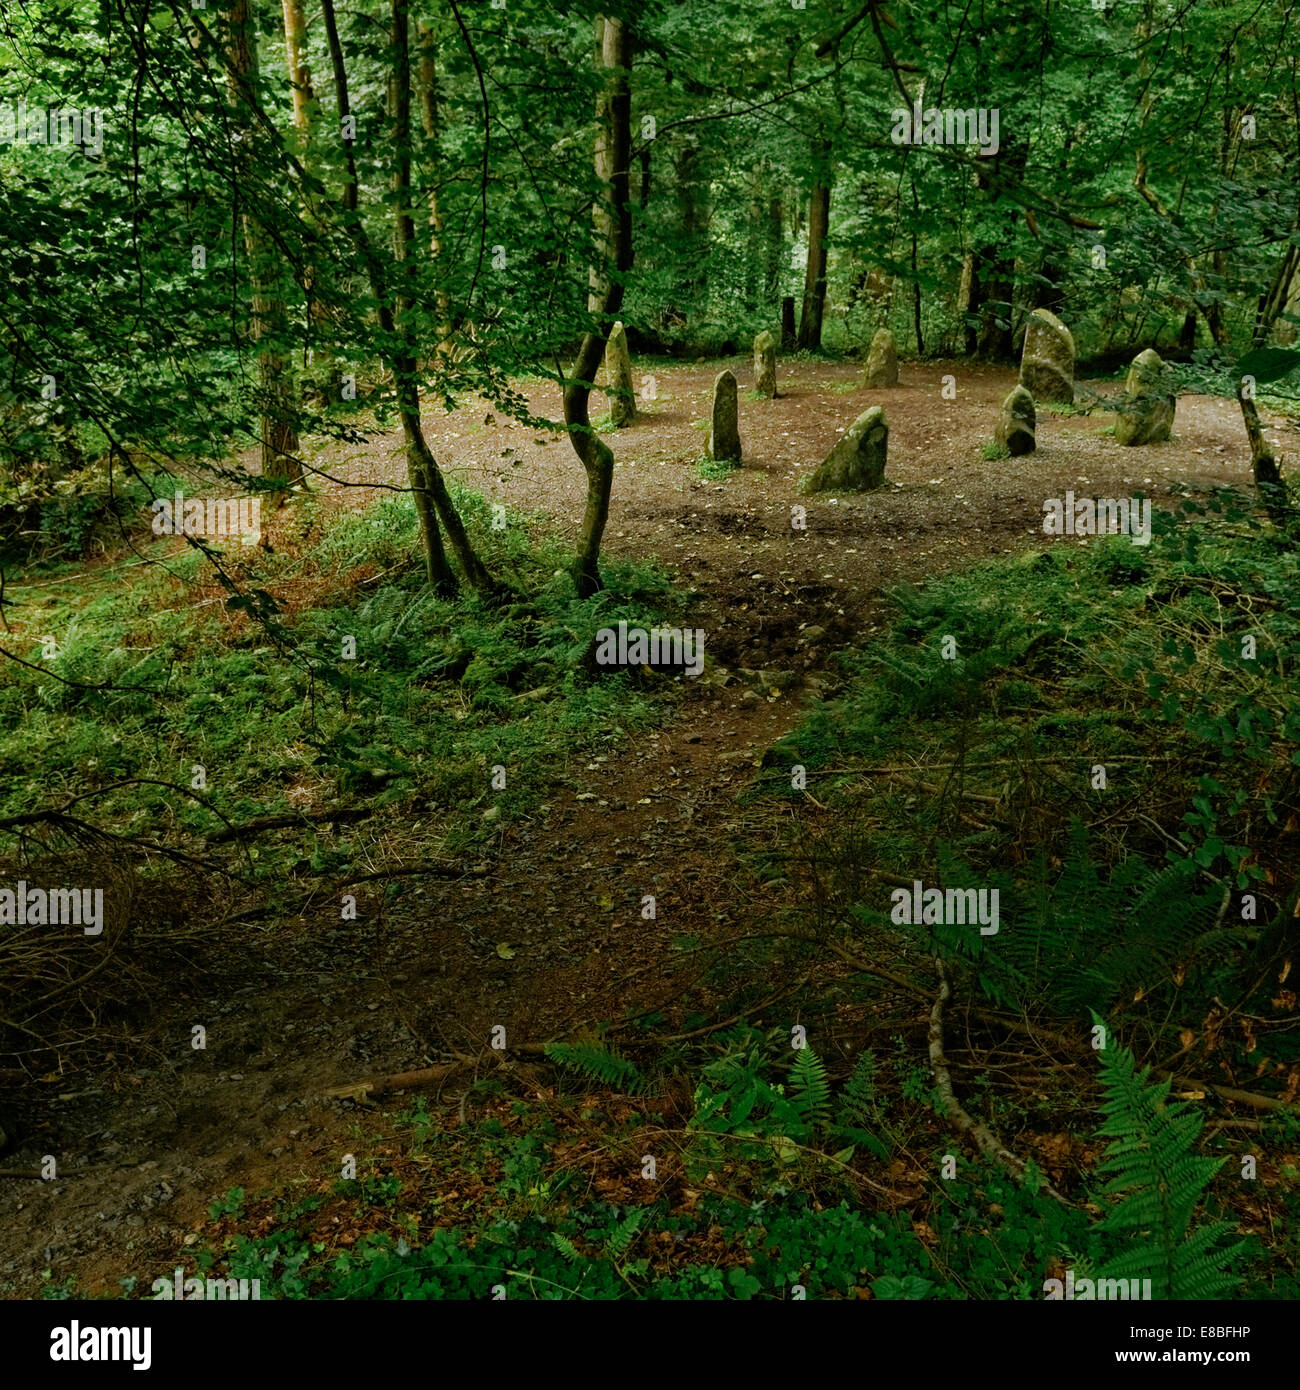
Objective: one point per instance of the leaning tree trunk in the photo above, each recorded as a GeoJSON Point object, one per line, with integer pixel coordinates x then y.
{"type": "Point", "coordinates": [427, 482]}
{"type": "Point", "coordinates": [612, 220]}
{"type": "Point", "coordinates": [814, 285]}
{"type": "Point", "coordinates": [322, 380]}
{"type": "Point", "coordinates": [429, 119]}
{"type": "Point", "coordinates": [277, 407]}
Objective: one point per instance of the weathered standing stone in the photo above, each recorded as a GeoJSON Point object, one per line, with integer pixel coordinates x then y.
{"type": "Point", "coordinates": [1017, 422]}
{"type": "Point", "coordinates": [882, 361]}
{"type": "Point", "coordinates": [789, 337]}
{"type": "Point", "coordinates": [857, 462]}
{"type": "Point", "coordinates": [724, 436]}
{"type": "Point", "coordinates": [765, 363]}
{"type": "Point", "coordinates": [1047, 361]}
{"type": "Point", "coordinates": [1147, 415]}
{"type": "Point", "coordinates": [618, 378]}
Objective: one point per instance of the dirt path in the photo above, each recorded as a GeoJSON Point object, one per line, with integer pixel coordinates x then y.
{"type": "Point", "coordinates": [146, 1142]}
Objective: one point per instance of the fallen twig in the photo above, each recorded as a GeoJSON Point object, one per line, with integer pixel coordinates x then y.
{"type": "Point", "coordinates": [988, 1143]}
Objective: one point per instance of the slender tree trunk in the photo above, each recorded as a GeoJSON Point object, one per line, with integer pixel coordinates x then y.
{"type": "Point", "coordinates": [1274, 300]}
{"type": "Point", "coordinates": [321, 379]}
{"type": "Point", "coordinates": [814, 285]}
{"type": "Point", "coordinates": [692, 286]}
{"type": "Point", "coordinates": [426, 477]}
{"type": "Point", "coordinates": [775, 246]}
{"type": "Point", "coordinates": [755, 236]}
{"type": "Point", "coordinates": [612, 226]}
{"type": "Point", "coordinates": [268, 330]}
{"type": "Point", "coordinates": [428, 88]}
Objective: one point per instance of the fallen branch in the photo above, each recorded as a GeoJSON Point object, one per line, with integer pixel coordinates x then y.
{"type": "Point", "coordinates": [287, 822]}
{"type": "Point", "coordinates": [1231, 1093]}
{"type": "Point", "coordinates": [988, 1143]}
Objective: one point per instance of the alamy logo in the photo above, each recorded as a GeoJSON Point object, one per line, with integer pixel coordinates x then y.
{"type": "Point", "coordinates": [1100, 516]}
{"type": "Point", "coordinates": [657, 646]}
{"type": "Point", "coordinates": [1094, 1290]}
{"type": "Point", "coordinates": [195, 516]}
{"type": "Point", "coordinates": [178, 1287]}
{"type": "Point", "coordinates": [34, 125]}
{"type": "Point", "coordinates": [952, 907]}
{"type": "Point", "coordinates": [53, 907]}
{"type": "Point", "coordinates": [945, 125]}
{"type": "Point", "coordinates": [77, 1343]}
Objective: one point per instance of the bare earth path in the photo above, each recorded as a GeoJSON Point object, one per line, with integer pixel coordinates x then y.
{"type": "Point", "coordinates": [146, 1141]}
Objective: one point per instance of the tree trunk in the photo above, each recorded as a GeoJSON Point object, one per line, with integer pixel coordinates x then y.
{"type": "Point", "coordinates": [775, 246]}
{"type": "Point", "coordinates": [428, 87]}
{"type": "Point", "coordinates": [268, 329]}
{"type": "Point", "coordinates": [692, 285]}
{"type": "Point", "coordinates": [814, 285]}
{"type": "Point", "coordinates": [1274, 300]}
{"type": "Point", "coordinates": [993, 265]}
{"type": "Point", "coordinates": [321, 379]}
{"type": "Point", "coordinates": [426, 477]}
{"type": "Point", "coordinates": [612, 226]}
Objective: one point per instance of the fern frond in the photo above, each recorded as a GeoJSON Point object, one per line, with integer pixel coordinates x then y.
{"type": "Point", "coordinates": [567, 1248]}
{"type": "Point", "coordinates": [619, 1241]}
{"type": "Point", "coordinates": [1159, 1182]}
{"type": "Point", "coordinates": [810, 1088]}
{"type": "Point", "coordinates": [596, 1063]}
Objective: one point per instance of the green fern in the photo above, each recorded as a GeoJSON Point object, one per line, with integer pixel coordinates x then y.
{"type": "Point", "coordinates": [859, 1112]}
{"type": "Point", "coordinates": [620, 1239]}
{"type": "Point", "coordinates": [597, 1063]}
{"type": "Point", "coordinates": [1159, 1182]}
{"type": "Point", "coordinates": [567, 1248]}
{"type": "Point", "coordinates": [810, 1091]}
{"type": "Point", "coordinates": [1085, 938]}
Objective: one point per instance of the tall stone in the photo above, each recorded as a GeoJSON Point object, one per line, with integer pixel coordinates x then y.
{"type": "Point", "coordinates": [724, 436]}
{"type": "Point", "coordinates": [1047, 361]}
{"type": "Point", "coordinates": [765, 364]}
{"type": "Point", "coordinates": [789, 337]}
{"type": "Point", "coordinates": [1146, 415]}
{"type": "Point", "coordinates": [618, 378]}
{"type": "Point", "coordinates": [882, 361]}
{"type": "Point", "coordinates": [857, 462]}
{"type": "Point", "coordinates": [1016, 423]}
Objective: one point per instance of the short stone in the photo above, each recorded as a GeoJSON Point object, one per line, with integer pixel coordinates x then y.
{"type": "Point", "coordinates": [857, 462]}
{"type": "Point", "coordinates": [724, 435]}
{"type": "Point", "coordinates": [1146, 415]}
{"type": "Point", "coordinates": [1017, 423]}
{"type": "Point", "coordinates": [882, 361]}
{"type": "Point", "coordinates": [1047, 359]}
{"type": "Point", "coordinates": [618, 374]}
{"type": "Point", "coordinates": [765, 364]}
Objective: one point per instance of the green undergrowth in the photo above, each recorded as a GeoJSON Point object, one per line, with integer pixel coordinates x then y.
{"type": "Point", "coordinates": [600, 1194]}
{"type": "Point", "coordinates": [1105, 737]}
{"type": "Point", "coordinates": [165, 673]}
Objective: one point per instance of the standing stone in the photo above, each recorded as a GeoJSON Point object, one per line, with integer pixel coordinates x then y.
{"type": "Point", "coordinates": [857, 462]}
{"type": "Point", "coordinates": [1147, 413]}
{"type": "Point", "coordinates": [724, 436]}
{"type": "Point", "coordinates": [1047, 362]}
{"type": "Point", "coordinates": [882, 361]}
{"type": "Point", "coordinates": [765, 363]}
{"type": "Point", "coordinates": [789, 338]}
{"type": "Point", "coordinates": [1017, 422]}
{"type": "Point", "coordinates": [618, 378]}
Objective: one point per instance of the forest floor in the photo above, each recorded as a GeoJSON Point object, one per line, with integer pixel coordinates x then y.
{"type": "Point", "coordinates": [148, 1143]}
